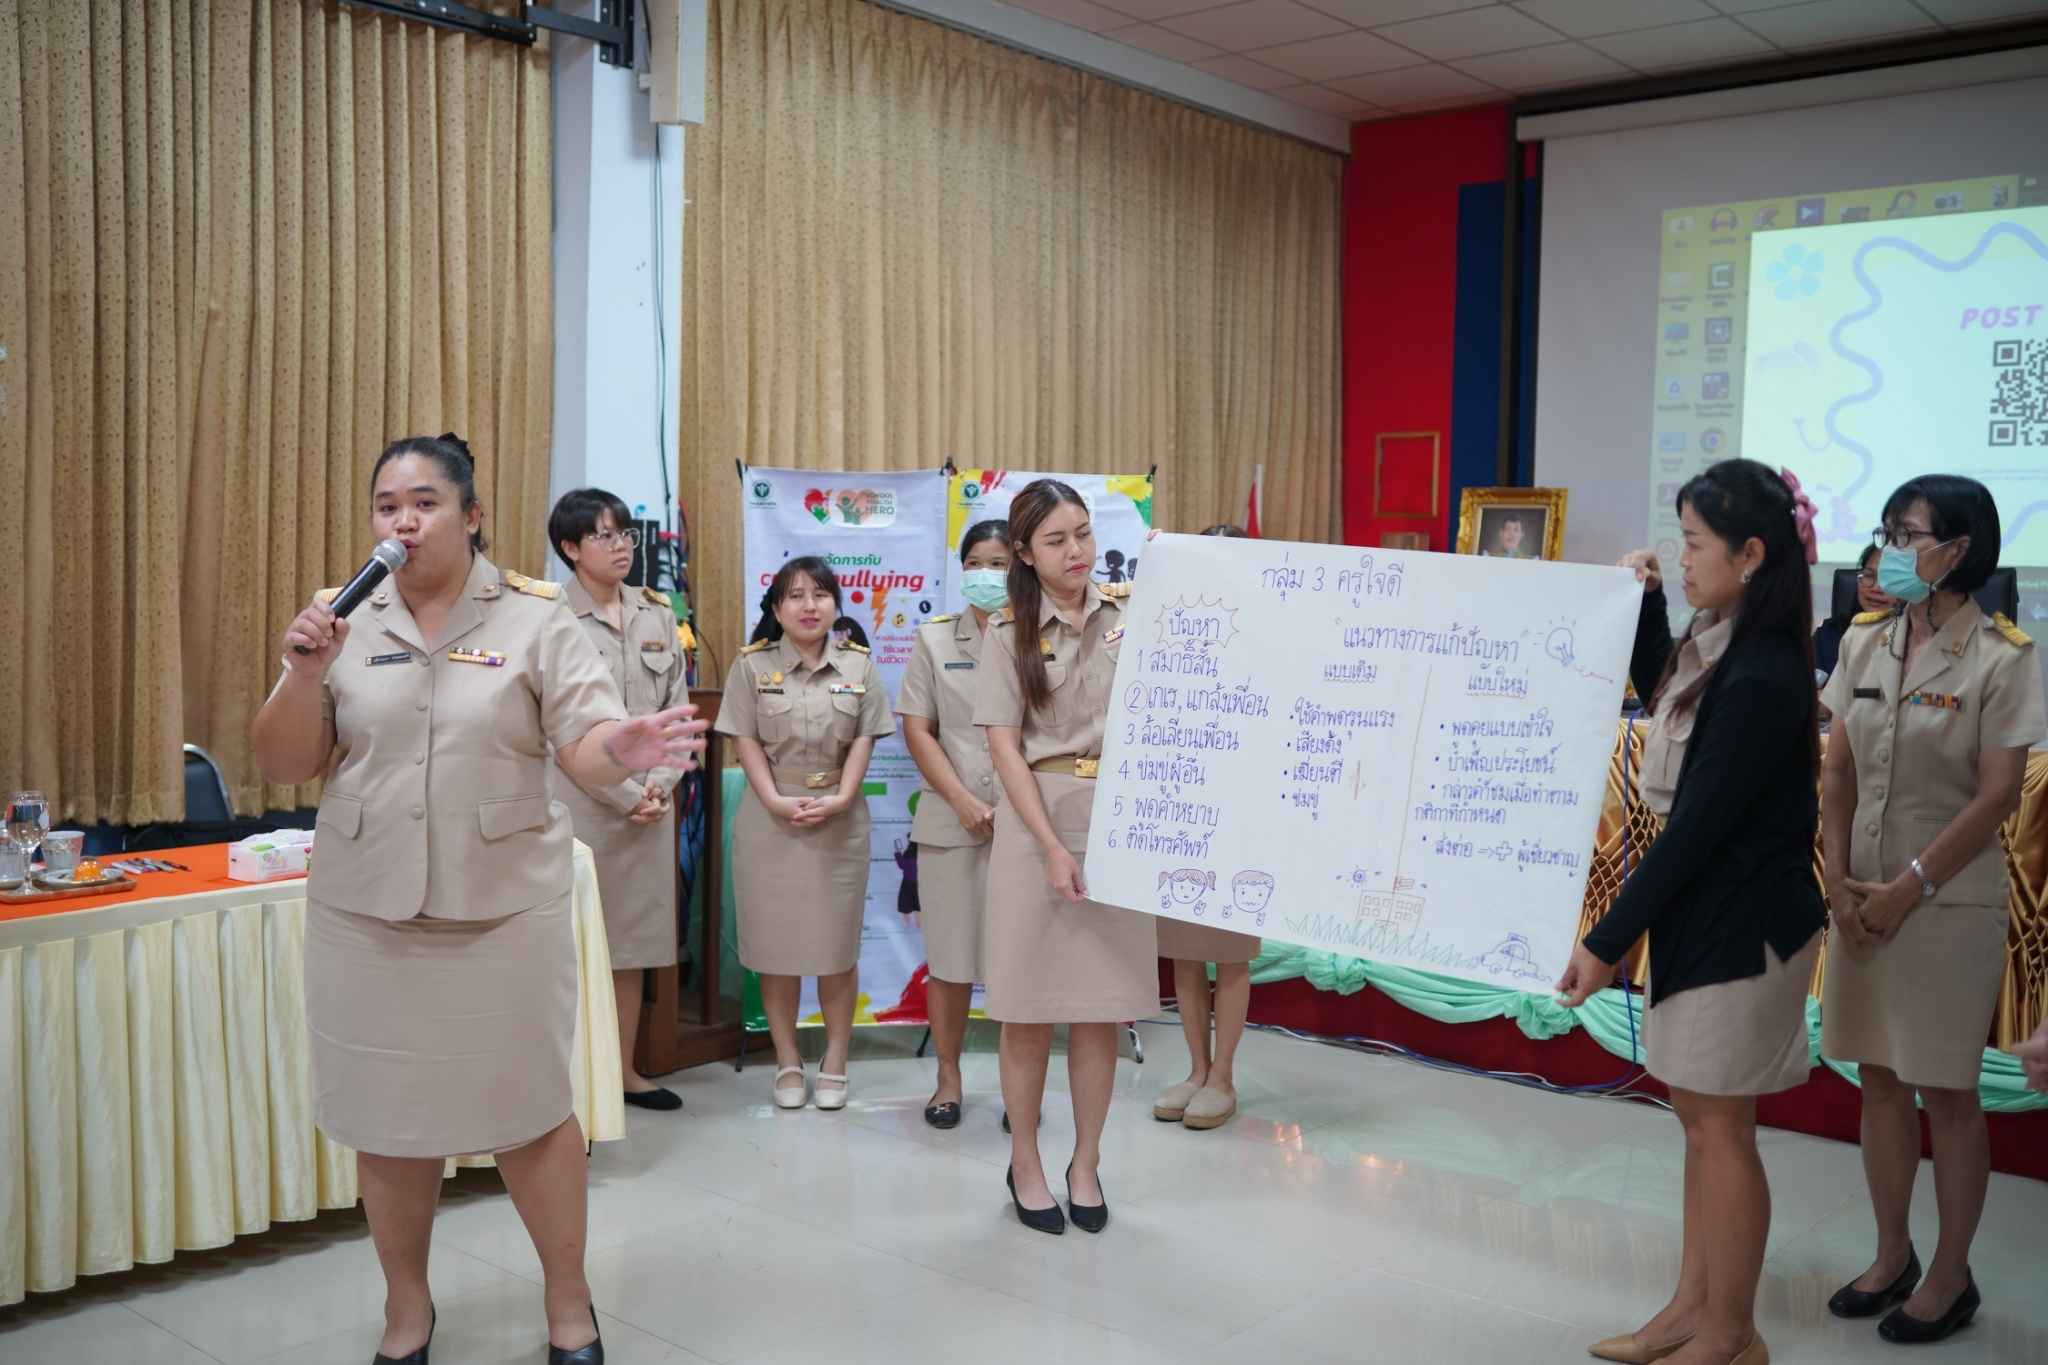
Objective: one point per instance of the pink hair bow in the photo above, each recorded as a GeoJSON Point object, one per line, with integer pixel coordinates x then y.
{"type": "Point", "coordinates": [1804, 514]}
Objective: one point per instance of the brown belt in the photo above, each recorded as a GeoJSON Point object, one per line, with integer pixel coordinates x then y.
{"type": "Point", "coordinates": [1069, 765]}
{"type": "Point", "coordinates": [810, 781]}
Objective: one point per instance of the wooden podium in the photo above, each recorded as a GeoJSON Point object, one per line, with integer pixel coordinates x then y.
{"type": "Point", "coordinates": [678, 1030]}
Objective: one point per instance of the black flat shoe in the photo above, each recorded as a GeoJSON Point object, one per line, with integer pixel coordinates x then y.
{"type": "Point", "coordinates": [1038, 1220]}
{"type": "Point", "coordinates": [945, 1115]}
{"type": "Point", "coordinates": [1903, 1329]}
{"type": "Point", "coordinates": [418, 1357]}
{"type": "Point", "coordinates": [1851, 1302]}
{"type": "Point", "coordinates": [660, 1098]}
{"type": "Point", "coordinates": [593, 1354]}
{"type": "Point", "coordinates": [1087, 1217]}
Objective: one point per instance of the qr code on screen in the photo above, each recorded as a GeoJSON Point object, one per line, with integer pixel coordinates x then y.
{"type": "Point", "coordinates": [2019, 400]}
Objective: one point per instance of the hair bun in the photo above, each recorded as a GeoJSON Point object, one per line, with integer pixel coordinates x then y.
{"type": "Point", "coordinates": [452, 439]}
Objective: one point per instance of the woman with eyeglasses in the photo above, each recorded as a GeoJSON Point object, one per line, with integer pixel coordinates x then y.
{"type": "Point", "coordinates": [629, 826]}
{"type": "Point", "coordinates": [1935, 705]}
{"type": "Point", "coordinates": [1827, 641]}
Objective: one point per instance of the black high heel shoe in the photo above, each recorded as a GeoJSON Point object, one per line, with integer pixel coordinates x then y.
{"type": "Point", "coordinates": [418, 1357]}
{"type": "Point", "coordinates": [593, 1354]}
{"type": "Point", "coordinates": [1038, 1220]}
{"type": "Point", "coordinates": [1903, 1329]}
{"type": "Point", "coordinates": [1087, 1217]}
{"type": "Point", "coordinates": [1851, 1302]}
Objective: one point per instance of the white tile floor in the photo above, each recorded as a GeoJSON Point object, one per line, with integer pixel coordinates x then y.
{"type": "Point", "coordinates": [1358, 1209]}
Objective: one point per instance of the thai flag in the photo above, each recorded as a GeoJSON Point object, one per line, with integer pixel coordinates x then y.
{"type": "Point", "coordinates": [1251, 503]}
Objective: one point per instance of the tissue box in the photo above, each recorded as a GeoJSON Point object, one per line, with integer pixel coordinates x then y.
{"type": "Point", "coordinates": [268, 857]}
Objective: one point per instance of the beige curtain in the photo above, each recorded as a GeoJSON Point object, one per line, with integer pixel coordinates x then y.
{"type": "Point", "coordinates": [909, 244]}
{"type": "Point", "coordinates": [243, 243]}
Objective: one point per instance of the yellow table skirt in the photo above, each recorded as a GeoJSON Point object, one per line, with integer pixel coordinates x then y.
{"type": "Point", "coordinates": [155, 1086]}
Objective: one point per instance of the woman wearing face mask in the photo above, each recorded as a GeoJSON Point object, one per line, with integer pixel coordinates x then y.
{"type": "Point", "coordinates": [1726, 893]}
{"type": "Point", "coordinates": [806, 712]}
{"type": "Point", "coordinates": [1935, 707]}
{"type": "Point", "coordinates": [1051, 955]}
{"type": "Point", "coordinates": [440, 953]}
{"type": "Point", "coordinates": [1208, 1097]}
{"type": "Point", "coordinates": [956, 812]}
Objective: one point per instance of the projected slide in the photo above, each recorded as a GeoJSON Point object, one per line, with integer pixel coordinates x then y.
{"type": "Point", "coordinates": [1881, 350]}
{"type": "Point", "coordinates": [1719, 261]}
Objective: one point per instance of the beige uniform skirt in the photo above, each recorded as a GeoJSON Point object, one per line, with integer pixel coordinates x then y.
{"type": "Point", "coordinates": [952, 889]}
{"type": "Point", "coordinates": [437, 1037]}
{"type": "Point", "coordinates": [801, 892]}
{"type": "Point", "coordinates": [1185, 942]}
{"type": "Point", "coordinates": [1744, 1037]}
{"type": "Point", "coordinates": [636, 878]}
{"type": "Point", "coordinates": [1048, 961]}
{"type": "Point", "coordinates": [1920, 1005]}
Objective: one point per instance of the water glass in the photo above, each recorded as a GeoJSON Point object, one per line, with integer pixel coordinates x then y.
{"type": "Point", "coordinates": [13, 865]}
{"type": "Point", "coordinates": [27, 818]}
{"type": "Point", "coordinates": [62, 849]}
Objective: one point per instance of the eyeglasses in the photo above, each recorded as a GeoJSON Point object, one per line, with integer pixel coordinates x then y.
{"type": "Point", "coordinates": [1900, 537]}
{"type": "Point", "coordinates": [1867, 578]}
{"type": "Point", "coordinates": [609, 539]}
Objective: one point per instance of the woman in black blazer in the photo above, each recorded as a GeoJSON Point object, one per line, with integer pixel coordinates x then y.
{"type": "Point", "coordinates": [1727, 892]}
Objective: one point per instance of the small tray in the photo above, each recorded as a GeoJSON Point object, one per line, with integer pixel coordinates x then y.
{"type": "Point", "coordinates": [36, 891]}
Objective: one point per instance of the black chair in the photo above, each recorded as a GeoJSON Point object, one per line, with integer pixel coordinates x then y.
{"type": "Point", "coordinates": [1999, 595]}
{"type": "Point", "coordinates": [209, 819]}
{"type": "Point", "coordinates": [206, 791]}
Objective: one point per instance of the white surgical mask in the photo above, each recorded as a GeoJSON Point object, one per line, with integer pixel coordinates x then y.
{"type": "Point", "coordinates": [988, 589]}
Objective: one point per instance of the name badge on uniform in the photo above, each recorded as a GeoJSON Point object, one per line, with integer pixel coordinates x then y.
{"type": "Point", "coordinates": [403, 657]}
{"type": "Point", "coordinates": [963, 663]}
{"type": "Point", "coordinates": [1867, 694]}
{"type": "Point", "coordinates": [653, 646]}
{"type": "Point", "coordinates": [849, 689]}
{"type": "Point", "coordinates": [1937, 699]}
{"type": "Point", "coordinates": [489, 658]}
{"type": "Point", "coordinates": [1110, 637]}
{"type": "Point", "coordinates": [770, 686]}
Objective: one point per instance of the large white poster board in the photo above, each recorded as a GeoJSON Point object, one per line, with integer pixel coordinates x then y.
{"type": "Point", "coordinates": [1396, 756]}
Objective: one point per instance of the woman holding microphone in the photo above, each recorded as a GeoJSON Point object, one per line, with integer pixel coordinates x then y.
{"type": "Point", "coordinates": [956, 812]}
{"type": "Point", "coordinates": [1051, 955]}
{"type": "Point", "coordinates": [440, 961]}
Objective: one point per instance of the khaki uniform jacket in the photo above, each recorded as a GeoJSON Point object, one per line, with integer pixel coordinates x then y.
{"type": "Point", "coordinates": [941, 684]}
{"type": "Point", "coordinates": [649, 667]}
{"type": "Point", "coordinates": [437, 799]}
{"type": "Point", "coordinates": [1976, 686]}
{"type": "Point", "coordinates": [806, 719]}
{"type": "Point", "coordinates": [1080, 667]}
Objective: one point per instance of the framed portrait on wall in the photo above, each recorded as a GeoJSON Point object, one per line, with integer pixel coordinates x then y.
{"type": "Point", "coordinates": [1512, 523]}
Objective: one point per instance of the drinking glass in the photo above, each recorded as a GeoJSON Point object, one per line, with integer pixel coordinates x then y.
{"type": "Point", "coordinates": [62, 849]}
{"type": "Point", "coordinates": [28, 817]}
{"type": "Point", "coordinates": [13, 867]}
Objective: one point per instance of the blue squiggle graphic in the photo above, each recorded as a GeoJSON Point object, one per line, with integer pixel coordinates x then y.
{"type": "Point", "coordinates": [1869, 366]}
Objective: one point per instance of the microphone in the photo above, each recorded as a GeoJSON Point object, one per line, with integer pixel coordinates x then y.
{"type": "Point", "coordinates": [388, 556]}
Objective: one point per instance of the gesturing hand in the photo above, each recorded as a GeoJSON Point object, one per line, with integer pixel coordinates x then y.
{"type": "Point", "coordinates": [666, 739]}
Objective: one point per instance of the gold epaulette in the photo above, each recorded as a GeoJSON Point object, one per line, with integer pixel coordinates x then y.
{"type": "Point", "coordinates": [532, 587]}
{"type": "Point", "coordinates": [856, 648]}
{"type": "Point", "coordinates": [326, 596]}
{"type": "Point", "coordinates": [660, 599]}
{"type": "Point", "coordinates": [756, 647]}
{"type": "Point", "coordinates": [686, 639]}
{"type": "Point", "coordinates": [1116, 590]}
{"type": "Point", "coordinates": [943, 619]}
{"type": "Point", "coordinates": [1870, 618]}
{"type": "Point", "coordinates": [2013, 634]}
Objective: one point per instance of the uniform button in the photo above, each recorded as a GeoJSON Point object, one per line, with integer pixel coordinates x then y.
{"type": "Point", "coordinates": [1871, 830]}
{"type": "Point", "coordinates": [420, 706]}
{"type": "Point", "coordinates": [1884, 755]}
{"type": "Point", "coordinates": [421, 758]}
{"type": "Point", "coordinates": [1878, 791]}
{"type": "Point", "coordinates": [420, 813]}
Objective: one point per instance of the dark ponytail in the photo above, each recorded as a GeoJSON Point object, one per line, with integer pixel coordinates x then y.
{"type": "Point", "coordinates": [450, 454]}
{"type": "Point", "coordinates": [1027, 513]}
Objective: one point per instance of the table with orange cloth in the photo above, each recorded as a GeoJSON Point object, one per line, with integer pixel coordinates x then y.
{"type": "Point", "coordinates": [155, 1080]}
{"type": "Point", "coordinates": [2022, 997]}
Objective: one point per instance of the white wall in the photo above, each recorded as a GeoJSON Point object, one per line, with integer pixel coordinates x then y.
{"type": "Point", "coordinates": [615, 399]}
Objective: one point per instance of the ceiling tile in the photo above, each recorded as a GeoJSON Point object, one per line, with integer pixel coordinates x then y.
{"type": "Point", "coordinates": [1983, 11]}
{"type": "Point", "coordinates": [1543, 68]}
{"type": "Point", "coordinates": [1592, 18]}
{"type": "Point", "coordinates": [1415, 85]}
{"type": "Point", "coordinates": [1256, 23]}
{"type": "Point", "coordinates": [1469, 33]}
{"type": "Point", "coordinates": [1152, 11]}
{"type": "Point", "coordinates": [1346, 54]}
{"type": "Point", "coordinates": [1246, 72]}
{"type": "Point", "coordinates": [1838, 21]}
{"type": "Point", "coordinates": [1372, 13]}
{"type": "Point", "coordinates": [1702, 44]}
{"type": "Point", "coordinates": [1327, 100]}
{"type": "Point", "coordinates": [1080, 13]}
{"type": "Point", "coordinates": [1161, 43]}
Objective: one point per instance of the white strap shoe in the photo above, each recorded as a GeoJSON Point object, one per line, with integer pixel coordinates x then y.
{"type": "Point", "coordinates": [790, 1096]}
{"type": "Point", "coordinates": [830, 1099]}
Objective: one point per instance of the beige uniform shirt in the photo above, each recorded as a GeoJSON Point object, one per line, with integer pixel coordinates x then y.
{"type": "Point", "coordinates": [1671, 728]}
{"type": "Point", "coordinates": [941, 684]}
{"type": "Point", "coordinates": [806, 719]}
{"type": "Point", "coordinates": [1916, 737]}
{"type": "Point", "coordinates": [1080, 667]}
{"type": "Point", "coordinates": [437, 803]}
{"type": "Point", "coordinates": [646, 663]}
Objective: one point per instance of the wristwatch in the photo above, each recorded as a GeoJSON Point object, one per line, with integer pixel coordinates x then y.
{"type": "Point", "coordinates": [1927, 887]}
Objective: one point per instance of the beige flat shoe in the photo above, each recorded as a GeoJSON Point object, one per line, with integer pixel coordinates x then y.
{"type": "Point", "coordinates": [1630, 1351]}
{"type": "Point", "coordinates": [1209, 1109]}
{"type": "Point", "coordinates": [790, 1096]}
{"type": "Point", "coordinates": [1173, 1101]}
{"type": "Point", "coordinates": [830, 1099]}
